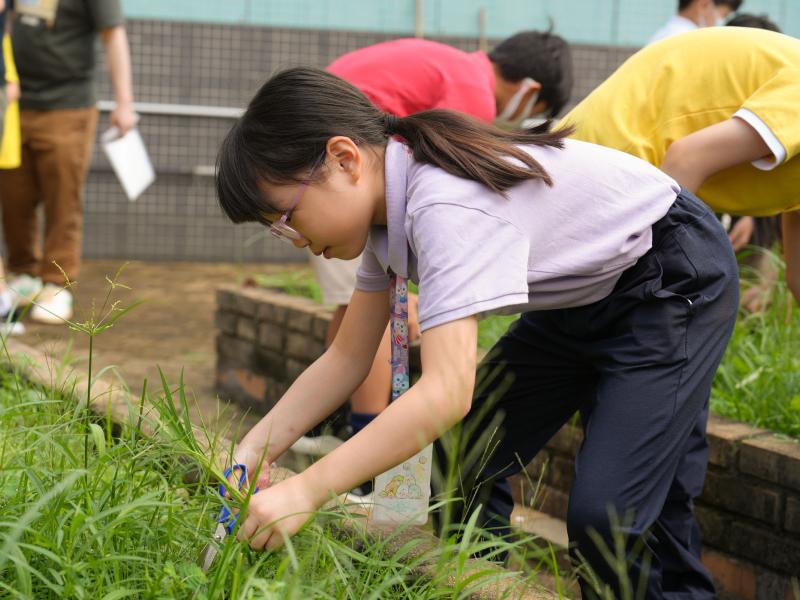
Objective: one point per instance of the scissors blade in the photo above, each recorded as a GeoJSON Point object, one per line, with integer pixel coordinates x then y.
{"type": "Point", "coordinates": [212, 548]}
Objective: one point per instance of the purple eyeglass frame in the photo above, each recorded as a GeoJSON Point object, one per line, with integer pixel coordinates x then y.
{"type": "Point", "coordinates": [280, 228]}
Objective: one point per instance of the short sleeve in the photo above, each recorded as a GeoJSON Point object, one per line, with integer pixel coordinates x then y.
{"type": "Point", "coordinates": [106, 13]}
{"type": "Point", "coordinates": [469, 262]}
{"type": "Point", "coordinates": [775, 104]}
{"type": "Point", "coordinates": [469, 99]}
{"type": "Point", "coordinates": [371, 277]}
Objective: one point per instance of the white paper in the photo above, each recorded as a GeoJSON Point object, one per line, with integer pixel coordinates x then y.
{"type": "Point", "coordinates": [129, 159]}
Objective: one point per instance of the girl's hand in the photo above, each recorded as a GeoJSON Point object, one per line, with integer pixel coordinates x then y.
{"type": "Point", "coordinates": [278, 511]}
{"type": "Point", "coordinates": [250, 458]}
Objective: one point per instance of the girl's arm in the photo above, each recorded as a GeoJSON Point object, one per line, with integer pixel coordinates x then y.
{"type": "Point", "coordinates": [325, 385]}
{"type": "Point", "coordinates": [440, 399]}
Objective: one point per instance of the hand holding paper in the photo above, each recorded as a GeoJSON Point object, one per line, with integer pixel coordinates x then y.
{"type": "Point", "coordinates": [130, 161]}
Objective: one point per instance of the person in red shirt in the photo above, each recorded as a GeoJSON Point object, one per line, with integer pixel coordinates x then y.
{"type": "Point", "coordinates": [527, 75]}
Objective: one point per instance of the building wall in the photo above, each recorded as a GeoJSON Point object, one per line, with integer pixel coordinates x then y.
{"type": "Point", "coordinates": [606, 22]}
{"type": "Point", "coordinates": [220, 65]}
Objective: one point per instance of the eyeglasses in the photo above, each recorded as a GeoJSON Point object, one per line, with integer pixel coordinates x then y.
{"type": "Point", "coordinates": [280, 228]}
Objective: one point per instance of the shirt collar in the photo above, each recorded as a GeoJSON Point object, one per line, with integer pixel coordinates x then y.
{"type": "Point", "coordinates": [397, 158]}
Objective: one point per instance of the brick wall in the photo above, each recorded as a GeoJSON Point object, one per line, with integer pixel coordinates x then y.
{"type": "Point", "coordinates": [265, 340]}
{"type": "Point", "coordinates": [749, 512]}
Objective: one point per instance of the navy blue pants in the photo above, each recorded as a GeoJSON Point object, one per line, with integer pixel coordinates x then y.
{"type": "Point", "coordinates": [639, 366]}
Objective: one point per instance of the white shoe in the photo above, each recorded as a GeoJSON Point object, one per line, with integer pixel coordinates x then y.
{"type": "Point", "coordinates": [23, 288]}
{"type": "Point", "coordinates": [53, 305]}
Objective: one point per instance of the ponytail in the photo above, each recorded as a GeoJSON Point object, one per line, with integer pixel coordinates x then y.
{"type": "Point", "coordinates": [468, 148]}
{"type": "Point", "coordinates": [286, 128]}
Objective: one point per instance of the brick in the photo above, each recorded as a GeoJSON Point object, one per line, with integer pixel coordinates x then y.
{"type": "Point", "coordinates": [567, 440]}
{"type": "Point", "coordinates": [273, 313]}
{"type": "Point", "coordinates": [303, 347]}
{"type": "Point", "coordinates": [300, 320]}
{"type": "Point", "coordinates": [772, 458]}
{"type": "Point", "coordinates": [271, 337]}
{"type": "Point", "coordinates": [246, 305]}
{"type": "Point", "coordinates": [320, 328]}
{"type": "Point", "coordinates": [774, 550]}
{"type": "Point", "coordinates": [560, 472]}
{"type": "Point", "coordinates": [294, 368]}
{"type": "Point", "coordinates": [275, 391]}
{"type": "Point", "coordinates": [537, 468]}
{"type": "Point", "coordinates": [724, 436]}
{"type": "Point", "coordinates": [225, 321]}
{"type": "Point", "coordinates": [792, 519]}
{"type": "Point", "coordinates": [772, 585]}
{"type": "Point", "coordinates": [233, 351]}
{"type": "Point", "coordinates": [271, 363]}
{"type": "Point", "coordinates": [247, 329]}
{"type": "Point", "coordinates": [735, 495]}
{"type": "Point", "coordinates": [713, 525]}
{"type": "Point", "coordinates": [552, 502]}
{"type": "Point", "coordinates": [525, 485]}
{"type": "Point", "coordinates": [243, 387]}
{"type": "Point", "coordinates": [226, 299]}
{"type": "Point", "coordinates": [732, 577]}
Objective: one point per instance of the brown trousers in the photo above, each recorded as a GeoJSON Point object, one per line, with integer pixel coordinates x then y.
{"type": "Point", "coordinates": [56, 151]}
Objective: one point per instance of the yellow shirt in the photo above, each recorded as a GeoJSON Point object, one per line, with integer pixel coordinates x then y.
{"type": "Point", "coordinates": [691, 81]}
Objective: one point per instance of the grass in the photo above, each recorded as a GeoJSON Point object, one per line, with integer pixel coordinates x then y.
{"type": "Point", "coordinates": [759, 378]}
{"type": "Point", "coordinates": [121, 521]}
{"type": "Point", "coordinates": [758, 381]}
{"type": "Point", "coordinates": [90, 508]}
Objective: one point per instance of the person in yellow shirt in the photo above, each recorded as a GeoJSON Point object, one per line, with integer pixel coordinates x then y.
{"type": "Point", "coordinates": [717, 109]}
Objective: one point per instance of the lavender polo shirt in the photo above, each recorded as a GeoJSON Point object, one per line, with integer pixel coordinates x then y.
{"type": "Point", "coordinates": [473, 252]}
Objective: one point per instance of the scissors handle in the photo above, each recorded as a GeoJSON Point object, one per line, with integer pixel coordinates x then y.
{"type": "Point", "coordinates": [225, 515]}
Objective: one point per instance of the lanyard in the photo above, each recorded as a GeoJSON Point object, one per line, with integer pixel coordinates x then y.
{"type": "Point", "coordinates": [398, 302]}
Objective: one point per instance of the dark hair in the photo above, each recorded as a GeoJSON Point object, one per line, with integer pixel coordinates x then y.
{"type": "Point", "coordinates": [286, 128]}
{"type": "Point", "coordinates": [540, 55]}
{"type": "Point", "coordinates": [733, 4]}
{"type": "Point", "coordinates": [757, 21]}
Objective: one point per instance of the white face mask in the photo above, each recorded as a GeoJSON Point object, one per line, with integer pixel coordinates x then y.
{"type": "Point", "coordinates": [717, 21]}
{"type": "Point", "coordinates": [511, 107]}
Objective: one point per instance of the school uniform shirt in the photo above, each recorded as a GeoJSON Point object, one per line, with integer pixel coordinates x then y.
{"type": "Point", "coordinates": [406, 76]}
{"type": "Point", "coordinates": [686, 83]}
{"type": "Point", "coordinates": [473, 251]}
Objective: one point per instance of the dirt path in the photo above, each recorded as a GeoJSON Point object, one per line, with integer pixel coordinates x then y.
{"type": "Point", "coordinates": [173, 327]}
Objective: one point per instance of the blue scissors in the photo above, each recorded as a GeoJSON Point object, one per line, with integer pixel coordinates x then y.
{"type": "Point", "coordinates": [226, 520]}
